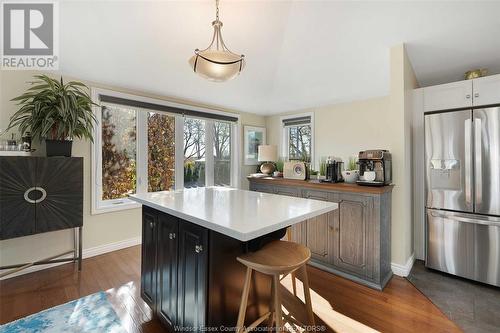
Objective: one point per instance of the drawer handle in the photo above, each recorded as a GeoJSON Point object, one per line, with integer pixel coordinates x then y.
{"type": "Point", "coordinates": [36, 188]}
{"type": "Point", "coordinates": [151, 225]}
{"type": "Point", "coordinates": [171, 235]}
{"type": "Point", "coordinates": [198, 248]}
{"type": "Point", "coordinates": [467, 96]}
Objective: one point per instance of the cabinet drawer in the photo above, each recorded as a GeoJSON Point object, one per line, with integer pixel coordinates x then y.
{"type": "Point", "coordinates": [290, 191]}
{"type": "Point", "coordinates": [317, 195]}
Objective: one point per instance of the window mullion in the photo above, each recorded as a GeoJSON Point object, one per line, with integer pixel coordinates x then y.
{"type": "Point", "coordinates": [235, 156]}
{"type": "Point", "coordinates": [179, 152]}
{"type": "Point", "coordinates": [142, 151]}
{"type": "Point", "coordinates": [209, 152]}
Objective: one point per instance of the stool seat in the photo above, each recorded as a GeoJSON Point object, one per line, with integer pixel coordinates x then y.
{"type": "Point", "coordinates": [277, 257]}
{"type": "Point", "coordinates": [274, 259]}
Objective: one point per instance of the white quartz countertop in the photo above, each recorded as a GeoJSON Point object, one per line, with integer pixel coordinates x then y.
{"type": "Point", "coordinates": [240, 214]}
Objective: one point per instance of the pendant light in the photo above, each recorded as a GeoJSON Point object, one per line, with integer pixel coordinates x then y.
{"type": "Point", "coordinates": [216, 62]}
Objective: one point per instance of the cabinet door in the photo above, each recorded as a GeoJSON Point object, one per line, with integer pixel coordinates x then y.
{"type": "Point", "coordinates": [296, 232]}
{"type": "Point", "coordinates": [62, 180]}
{"type": "Point", "coordinates": [353, 235]}
{"type": "Point", "coordinates": [486, 90]}
{"type": "Point", "coordinates": [167, 269]}
{"type": "Point", "coordinates": [17, 216]}
{"type": "Point", "coordinates": [448, 96]}
{"type": "Point", "coordinates": [192, 275]}
{"type": "Point", "coordinates": [148, 263]}
{"type": "Point", "coordinates": [317, 237]}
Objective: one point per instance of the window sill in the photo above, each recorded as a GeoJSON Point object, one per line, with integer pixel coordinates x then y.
{"type": "Point", "coordinates": [109, 207]}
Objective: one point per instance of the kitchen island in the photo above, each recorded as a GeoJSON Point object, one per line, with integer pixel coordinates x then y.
{"type": "Point", "coordinates": [190, 240]}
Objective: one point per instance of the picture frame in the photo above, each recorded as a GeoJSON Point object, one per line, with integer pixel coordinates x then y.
{"type": "Point", "coordinates": [253, 136]}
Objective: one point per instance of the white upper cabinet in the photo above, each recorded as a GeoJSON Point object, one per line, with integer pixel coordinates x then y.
{"type": "Point", "coordinates": [448, 96]}
{"type": "Point", "coordinates": [486, 90]}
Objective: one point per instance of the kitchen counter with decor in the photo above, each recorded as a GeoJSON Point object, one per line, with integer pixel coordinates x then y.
{"type": "Point", "coordinates": [353, 241]}
{"type": "Point", "coordinates": [190, 240]}
{"type": "Point", "coordinates": [316, 184]}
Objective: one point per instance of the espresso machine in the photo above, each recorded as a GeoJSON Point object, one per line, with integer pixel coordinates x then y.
{"type": "Point", "coordinates": [378, 161]}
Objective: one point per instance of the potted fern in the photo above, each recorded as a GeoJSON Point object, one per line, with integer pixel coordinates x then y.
{"type": "Point", "coordinates": [56, 112]}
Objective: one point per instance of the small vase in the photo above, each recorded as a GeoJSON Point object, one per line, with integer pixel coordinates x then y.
{"type": "Point", "coordinates": [58, 147]}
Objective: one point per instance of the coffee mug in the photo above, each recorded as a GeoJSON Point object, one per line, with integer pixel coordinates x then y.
{"type": "Point", "coordinates": [369, 176]}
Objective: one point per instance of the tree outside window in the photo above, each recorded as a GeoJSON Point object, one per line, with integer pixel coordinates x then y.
{"type": "Point", "coordinates": [299, 143]}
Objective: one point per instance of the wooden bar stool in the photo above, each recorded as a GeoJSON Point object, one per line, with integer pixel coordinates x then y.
{"type": "Point", "coordinates": [274, 259]}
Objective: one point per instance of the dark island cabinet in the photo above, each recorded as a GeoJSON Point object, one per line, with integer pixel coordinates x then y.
{"type": "Point", "coordinates": [193, 245]}
{"type": "Point", "coordinates": [40, 194]}
{"type": "Point", "coordinates": [174, 269]}
{"type": "Point", "coordinates": [353, 241]}
{"type": "Point", "coordinates": [168, 230]}
{"type": "Point", "coordinates": [148, 256]}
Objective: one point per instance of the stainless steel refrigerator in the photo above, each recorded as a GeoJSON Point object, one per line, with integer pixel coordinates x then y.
{"type": "Point", "coordinates": [462, 151]}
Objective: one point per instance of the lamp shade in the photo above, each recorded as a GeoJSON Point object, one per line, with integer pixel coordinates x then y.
{"type": "Point", "coordinates": [267, 153]}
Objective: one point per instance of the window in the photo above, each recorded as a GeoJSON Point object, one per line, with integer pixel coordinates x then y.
{"type": "Point", "coordinates": [222, 153]}
{"type": "Point", "coordinates": [146, 145]}
{"type": "Point", "coordinates": [194, 152]}
{"type": "Point", "coordinates": [297, 143]}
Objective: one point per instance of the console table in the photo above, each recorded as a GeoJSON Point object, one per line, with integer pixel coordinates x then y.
{"type": "Point", "coordinates": [353, 241]}
{"type": "Point", "coordinates": [38, 195]}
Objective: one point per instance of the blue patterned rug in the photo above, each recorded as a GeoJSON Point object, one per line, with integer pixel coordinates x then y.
{"type": "Point", "coordinates": [90, 314]}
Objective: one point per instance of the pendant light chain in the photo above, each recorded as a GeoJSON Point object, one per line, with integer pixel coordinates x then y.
{"type": "Point", "coordinates": [217, 10]}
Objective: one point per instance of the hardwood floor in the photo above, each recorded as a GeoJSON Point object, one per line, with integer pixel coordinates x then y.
{"type": "Point", "coordinates": [399, 308]}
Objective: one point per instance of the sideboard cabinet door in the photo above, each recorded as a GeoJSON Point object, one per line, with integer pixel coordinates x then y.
{"type": "Point", "coordinates": [17, 216]}
{"type": "Point", "coordinates": [353, 235]}
{"type": "Point", "coordinates": [317, 229]}
{"type": "Point", "coordinates": [192, 275]}
{"type": "Point", "coordinates": [62, 180]}
{"type": "Point", "coordinates": [168, 229]}
{"type": "Point", "coordinates": [148, 258]}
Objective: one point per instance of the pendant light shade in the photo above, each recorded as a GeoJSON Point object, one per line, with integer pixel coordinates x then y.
{"type": "Point", "coordinates": [216, 62]}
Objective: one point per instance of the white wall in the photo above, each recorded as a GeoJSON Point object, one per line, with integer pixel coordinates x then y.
{"type": "Point", "coordinates": [99, 230]}
{"type": "Point", "coordinates": [343, 130]}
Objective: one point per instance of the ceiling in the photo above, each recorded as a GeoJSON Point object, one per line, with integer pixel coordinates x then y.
{"type": "Point", "coordinates": [299, 54]}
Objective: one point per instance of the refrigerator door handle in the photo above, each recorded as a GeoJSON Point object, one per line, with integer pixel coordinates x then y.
{"type": "Point", "coordinates": [477, 161]}
{"type": "Point", "coordinates": [468, 162]}
{"type": "Point", "coordinates": [476, 219]}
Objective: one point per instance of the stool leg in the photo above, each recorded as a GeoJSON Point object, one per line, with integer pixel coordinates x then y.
{"type": "Point", "coordinates": [244, 301]}
{"type": "Point", "coordinates": [270, 320]}
{"type": "Point", "coordinates": [307, 295]}
{"type": "Point", "coordinates": [294, 283]}
{"type": "Point", "coordinates": [277, 303]}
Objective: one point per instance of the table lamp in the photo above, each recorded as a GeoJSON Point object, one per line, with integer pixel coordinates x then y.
{"type": "Point", "coordinates": [267, 154]}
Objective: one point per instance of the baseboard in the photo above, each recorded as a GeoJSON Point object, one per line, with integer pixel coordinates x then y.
{"type": "Point", "coordinates": [86, 253]}
{"type": "Point", "coordinates": [403, 270]}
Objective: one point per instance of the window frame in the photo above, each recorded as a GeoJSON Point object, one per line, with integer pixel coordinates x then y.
{"type": "Point", "coordinates": [284, 140]}
{"type": "Point", "coordinates": [99, 206]}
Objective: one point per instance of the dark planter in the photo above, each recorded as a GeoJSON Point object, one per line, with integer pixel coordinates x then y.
{"type": "Point", "coordinates": [58, 147]}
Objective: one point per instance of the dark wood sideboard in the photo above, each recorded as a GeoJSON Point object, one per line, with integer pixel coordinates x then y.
{"type": "Point", "coordinates": [354, 241]}
{"type": "Point", "coordinates": [40, 194]}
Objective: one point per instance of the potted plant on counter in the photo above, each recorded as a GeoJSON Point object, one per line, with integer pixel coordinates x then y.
{"type": "Point", "coordinates": [351, 175]}
{"type": "Point", "coordinates": [56, 112]}
{"type": "Point", "coordinates": [280, 163]}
